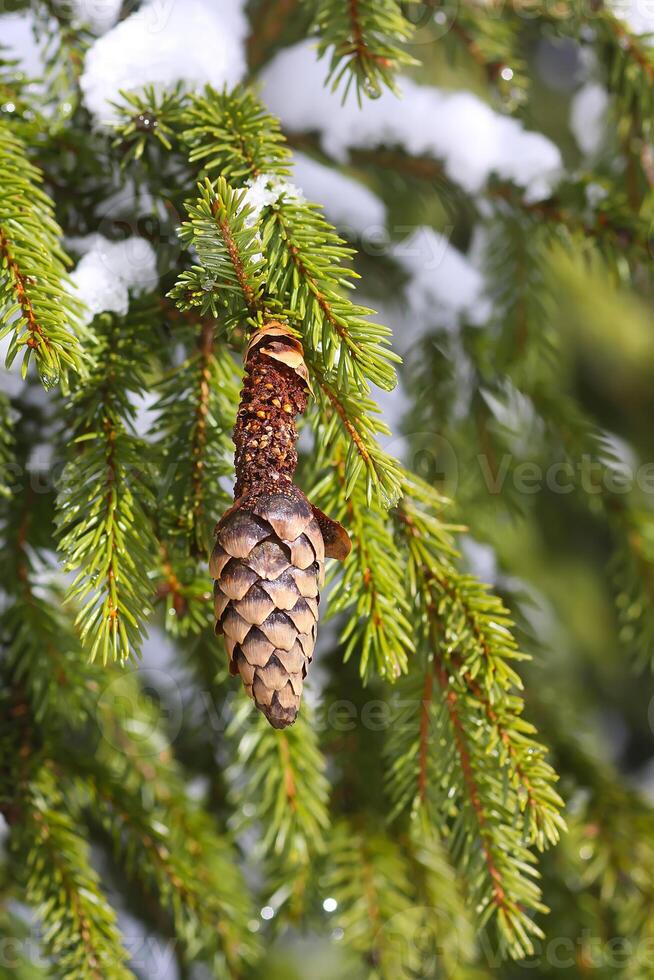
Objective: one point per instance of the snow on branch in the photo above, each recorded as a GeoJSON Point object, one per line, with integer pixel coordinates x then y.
{"type": "Point", "coordinates": [197, 42]}
{"type": "Point", "coordinates": [473, 141]}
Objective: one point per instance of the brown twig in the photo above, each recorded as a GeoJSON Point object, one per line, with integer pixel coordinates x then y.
{"type": "Point", "coordinates": [451, 701]}
{"type": "Point", "coordinates": [37, 336]}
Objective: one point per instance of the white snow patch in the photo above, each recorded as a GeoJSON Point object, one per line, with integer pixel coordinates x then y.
{"type": "Point", "coordinates": [197, 42]}
{"type": "Point", "coordinates": [470, 138]}
{"type": "Point", "coordinates": [109, 270]}
{"type": "Point", "coordinates": [99, 15]}
{"type": "Point", "coordinates": [264, 191]}
{"type": "Point", "coordinates": [588, 117]}
{"type": "Point", "coordinates": [638, 14]}
{"type": "Point", "coordinates": [348, 204]}
{"type": "Point", "coordinates": [443, 286]}
{"type": "Point", "coordinates": [19, 44]}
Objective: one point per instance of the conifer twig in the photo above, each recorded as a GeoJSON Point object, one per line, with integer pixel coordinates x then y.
{"type": "Point", "coordinates": [35, 306]}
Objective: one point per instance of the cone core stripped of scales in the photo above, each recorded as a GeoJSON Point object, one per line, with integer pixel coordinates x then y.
{"type": "Point", "coordinates": [269, 557]}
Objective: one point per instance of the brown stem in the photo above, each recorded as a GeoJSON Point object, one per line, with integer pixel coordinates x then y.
{"type": "Point", "coordinates": [347, 423]}
{"type": "Point", "coordinates": [424, 734]}
{"type": "Point", "coordinates": [451, 699]}
{"type": "Point", "coordinates": [37, 336]}
{"type": "Point", "coordinates": [235, 258]}
{"type": "Point", "coordinates": [265, 434]}
{"type": "Point", "coordinates": [267, 26]}
{"type": "Point", "coordinates": [357, 33]}
{"type": "Point", "coordinates": [289, 776]}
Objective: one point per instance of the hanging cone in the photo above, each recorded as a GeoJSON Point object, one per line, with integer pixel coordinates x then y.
{"type": "Point", "coordinates": [268, 560]}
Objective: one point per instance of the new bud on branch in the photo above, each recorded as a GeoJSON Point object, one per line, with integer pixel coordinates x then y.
{"type": "Point", "coordinates": [268, 560]}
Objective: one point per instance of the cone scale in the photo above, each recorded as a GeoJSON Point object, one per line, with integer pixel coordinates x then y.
{"type": "Point", "coordinates": [269, 557]}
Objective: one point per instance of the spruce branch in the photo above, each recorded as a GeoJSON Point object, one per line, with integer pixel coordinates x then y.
{"type": "Point", "coordinates": [229, 279]}
{"type": "Point", "coordinates": [459, 712]}
{"type": "Point", "coordinates": [369, 877]}
{"type": "Point", "coordinates": [147, 114]}
{"type": "Point", "coordinates": [611, 826]}
{"type": "Point", "coordinates": [168, 843]}
{"type": "Point", "coordinates": [308, 268]}
{"type": "Point", "coordinates": [64, 48]}
{"type": "Point", "coordinates": [373, 588]}
{"type": "Point", "coordinates": [40, 655]}
{"type": "Point", "coordinates": [6, 446]}
{"type": "Point", "coordinates": [80, 931]}
{"type": "Point", "coordinates": [196, 412]}
{"type": "Point", "coordinates": [269, 21]}
{"type": "Point", "coordinates": [493, 44]}
{"type": "Point", "coordinates": [308, 263]}
{"type": "Point", "coordinates": [35, 307]}
{"type": "Point", "coordinates": [611, 222]}
{"type": "Point", "coordinates": [442, 912]}
{"type": "Point", "coordinates": [302, 268]}
{"type": "Point", "coordinates": [362, 39]}
{"type": "Point", "coordinates": [105, 499]}
{"type": "Point", "coordinates": [351, 421]}
{"type": "Point", "coordinates": [280, 774]}
{"type": "Point", "coordinates": [233, 134]}
{"type": "Point", "coordinates": [182, 586]}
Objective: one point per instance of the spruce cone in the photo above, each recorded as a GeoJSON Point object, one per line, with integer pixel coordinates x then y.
{"type": "Point", "coordinates": [268, 561]}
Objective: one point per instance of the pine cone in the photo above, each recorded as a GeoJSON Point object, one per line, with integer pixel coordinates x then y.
{"type": "Point", "coordinates": [268, 561]}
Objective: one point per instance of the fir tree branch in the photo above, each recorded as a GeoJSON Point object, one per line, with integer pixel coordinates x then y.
{"type": "Point", "coordinates": [281, 776]}
{"type": "Point", "coordinates": [362, 38]}
{"type": "Point", "coordinates": [229, 279]}
{"type": "Point", "coordinates": [6, 446]}
{"type": "Point", "coordinates": [351, 419]}
{"type": "Point", "coordinates": [39, 654]}
{"type": "Point", "coordinates": [196, 412]}
{"type": "Point", "coordinates": [232, 133]}
{"type": "Point", "coordinates": [64, 49]}
{"type": "Point", "coordinates": [80, 927]}
{"type": "Point", "coordinates": [613, 224]}
{"type": "Point", "coordinates": [184, 588]}
{"type": "Point", "coordinates": [474, 710]}
{"type": "Point", "coordinates": [205, 896]}
{"type": "Point", "coordinates": [372, 588]}
{"type": "Point", "coordinates": [104, 528]}
{"type": "Point", "coordinates": [307, 269]}
{"type": "Point", "coordinates": [34, 305]}
{"type": "Point", "coordinates": [167, 842]}
{"type": "Point", "coordinates": [441, 909]}
{"type": "Point", "coordinates": [370, 878]}
{"type": "Point", "coordinates": [307, 261]}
